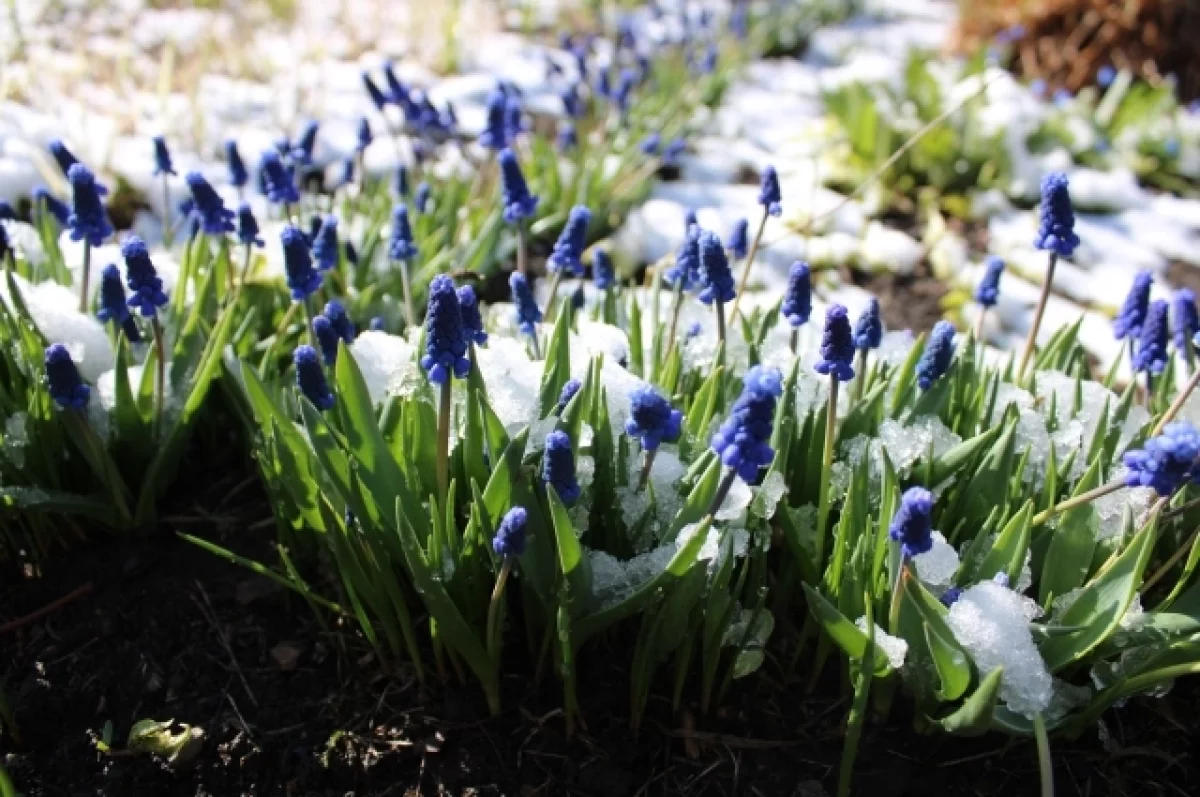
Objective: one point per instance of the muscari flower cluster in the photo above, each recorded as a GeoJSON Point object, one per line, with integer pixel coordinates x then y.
{"type": "Point", "coordinates": [769, 195]}
{"type": "Point", "coordinates": [325, 244]}
{"type": "Point", "coordinates": [868, 330]}
{"type": "Point", "coordinates": [66, 386]}
{"type": "Point", "coordinates": [739, 244]}
{"type": "Point", "coordinates": [797, 299]}
{"type": "Point", "coordinates": [684, 273]}
{"type": "Point", "coordinates": [939, 352]}
{"type": "Point", "coordinates": [1056, 232]}
{"type": "Point", "coordinates": [568, 249]}
{"type": "Point", "coordinates": [302, 279]}
{"type": "Point", "coordinates": [400, 242]}
{"type": "Point", "coordinates": [652, 419]}
{"type": "Point", "coordinates": [526, 311]}
{"type": "Point", "coordinates": [1166, 462]}
{"type": "Point", "coordinates": [145, 286]}
{"type": "Point", "coordinates": [558, 467]}
{"type": "Point", "coordinates": [510, 535]}
{"type": "Point", "coordinates": [566, 394]}
{"type": "Point", "coordinates": [162, 157]}
{"type": "Point", "coordinates": [446, 341]}
{"type": "Point", "coordinates": [1185, 321]}
{"type": "Point", "coordinates": [88, 221]}
{"type": "Point", "coordinates": [238, 176]}
{"type": "Point", "coordinates": [987, 293]}
{"type": "Point", "coordinates": [310, 378]}
{"type": "Point", "coordinates": [1128, 323]}
{"type": "Point", "coordinates": [278, 180]}
{"type": "Point", "coordinates": [113, 304]}
{"type": "Point", "coordinates": [518, 203]}
{"type": "Point", "coordinates": [743, 440]}
{"type": "Point", "coordinates": [837, 346]}
{"type": "Point", "coordinates": [215, 218]}
{"type": "Point", "coordinates": [1150, 355]}
{"type": "Point", "coordinates": [912, 525]}
{"type": "Point", "coordinates": [715, 276]}
{"type": "Point", "coordinates": [468, 305]}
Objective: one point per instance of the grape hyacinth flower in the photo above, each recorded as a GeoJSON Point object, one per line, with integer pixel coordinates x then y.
{"type": "Point", "coordinates": [302, 279]}
{"type": "Point", "coordinates": [325, 244]}
{"type": "Point", "coordinates": [468, 305]}
{"type": "Point", "coordinates": [624, 90]}
{"type": "Point", "coordinates": [603, 85]}
{"type": "Point", "coordinates": [495, 133]}
{"type": "Point", "coordinates": [340, 319]}
{"type": "Point", "coordinates": [402, 249]}
{"type": "Point", "coordinates": [514, 120]}
{"type": "Point", "coordinates": [113, 305]}
{"type": "Point", "coordinates": [1150, 354]}
{"type": "Point", "coordinates": [987, 293]}
{"type": "Point", "coordinates": [568, 249]}
{"type": "Point", "coordinates": [162, 157]}
{"type": "Point", "coordinates": [837, 346]}
{"type": "Point", "coordinates": [527, 312]}
{"type": "Point", "coordinates": [684, 273]}
{"type": "Point", "coordinates": [912, 525]}
{"type": "Point", "coordinates": [715, 275]}
{"type": "Point", "coordinates": [518, 203]}
{"type": "Point", "coordinates": [1185, 321]}
{"type": "Point", "coordinates": [743, 441]}
{"type": "Point", "coordinates": [278, 180]}
{"type": "Point", "coordinates": [145, 286]}
{"type": "Point", "coordinates": [739, 242]}
{"type": "Point", "coordinates": [566, 394]}
{"type": "Point", "coordinates": [558, 467]}
{"type": "Point", "coordinates": [215, 218]}
{"type": "Point", "coordinates": [310, 378]}
{"type": "Point", "coordinates": [868, 334]}
{"type": "Point", "coordinates": [769, 195]}
{"type": "Point", "coordinates": [602, 270]}
{"type": "Point", "coordinates": [364, 137]}
{"type": "Point", "coordinates": [797, 299]}
{"type": "Point", "coordinates": [247, 226]}
{"type": "Point", "coordinates": [377, 97]}
{"type": "Point", "coordinates": [1166, 462]}
{"type": "Point", "coordinates": [577, 297]}
{"type": "Point", "coordinates": [510, 536]}
{"type": "Point", "coordinates": [572, 106]}
{"type": "Point", "coordinates": [421, 197]}
{"type": "Point", "coordinates": [1056, 235]}
{"type": "Point", "coordinates": [56, 207]}
{"type": "Point", "coordinates": [652, 420]}
{"type": "Point", "coordinates": [238, 176]}
{"type": "Point", "coordinates": [66, 386]}
{"type": "Point", "coordinates": [400, 185]}
{"type": "Point", "coordinates": [326, 337]}
{"type": "Point", "coordinates": [1128, 323]}
{"type": "Point", "coordinates": [445, 334]}
{"type": "Point", "coordinates": [302, 153]}
{"type": "Point", "coordinates": [939, 351]}
{"type": "Point", "coordinates": [88, 221]}
{"type": "Point", "coordinates": [62, 156]}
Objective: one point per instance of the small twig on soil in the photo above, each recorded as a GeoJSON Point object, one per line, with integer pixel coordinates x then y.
{"type": "Point", "coordinates": [53, 606]}
{"type": "Point", "coordinates": [209, 615]}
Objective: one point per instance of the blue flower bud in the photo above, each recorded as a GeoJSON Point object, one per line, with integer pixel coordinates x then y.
{"type": "Point", "coordinates": [938, 354]}
{"type": "Point", "coordinates": [302, 153]}
{"type": "Point", "coordinates": [837, 345]}
{"type": "Point", "coordinates": [278, 180]}
{"type": "Point", "coordinates": [527, 312]}
{"type": "Point", "coordinates": [445, 334]}
{"type": "Point", "coordinates": [1150, 354]}
{"type": "Point", "coordinates": [238, 177]}
{"type": "Point", "coordinates": [1184, 319]}
{"type": "Point", "coordinates": [55, 206]}
{"type": "Point", "coordinates": [365, 137]}
{"type": "Point", "coordinates": [145, 286]}
{"type": "Point", "coordinates": [988, 291]}
{"type": "Point", "coordinates": [62, 377]}
{"type": "Point", "coordinates": [716, 278]}
{"type": "Point", "coordinates": [340, 319]}
{"type": "Point", "coordinates": [1166, 462]}
{"type": "Point", "coordinates": [510, 536]}
{"type": "Point", "coordinates": [517, 201]}
{"type": "Point", "coordinates": [1128, 323]}
{"type": "Point", "coordinates": [113, 306]}
{"type": "Point", "coordinates": [400, 241]}
{"type": "Point", "coordinates": [468, 305]}
{"type": "Point", "coordinates": [325, 244]}
{"type": "Point", "coordinates": [162, 157]}
{"type": "Point", "coordinates": [377, 98]}
{"type": "Point", "coordinates": [868, 331]}
{"type": "Point", "coordinates": [247, 226]}
{"type": "Point", "coordinates": [400, 186]}
{"type": "Point", "coordinates": [310, 378]}
{"type": "Point", "coordinates": [912, 525]}
{"type": "Point", "coordinates": [743, 440]}
{"type": "Point", "coordinates": [215, 218]}
{"type": "Point", "coordinates": [566, 394]}
{"type": "Point", "coordinates": [797, 300]}
{"type": "Point", "coordinates": [327, 338]}
{"type": "Point", "coordinates": [1056, 232]}
{"type": "Point", "coordinates": [558, 467]}
{"type": "Point", "coordinates": [495, 134]}
{"type": "Point", "coordinates": [570, 245]}
{"type": "Point", "coordinates": [302, 279]}
{"type": "Point", "coordinates": [687, 262]}
{"type": "Point", "coordinates": [602, 270]}
{"type": "Point", "coordinates": [88, 221]}
{"type": "Point", "coordinates": [769, 195]}
{"type": "Point", "coordinates": [652, 420]}
{"type": "Point", "coordinates": [739, 243]}
{"type": "Point", "coordinates": [421, 198]}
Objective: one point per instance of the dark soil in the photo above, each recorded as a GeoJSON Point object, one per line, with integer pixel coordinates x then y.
{"type": "Point", "coordinates": [906, 302]}
{"type": "Point", "coordinates": [172, 632]}
{"type": "Point", "coordinates": [1183, 275]}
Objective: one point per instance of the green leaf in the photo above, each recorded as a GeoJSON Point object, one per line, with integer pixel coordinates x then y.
{"type": "Point", "coordinates": [1069, 555]}
{"type": "Point", "coordinates": [698, 500]}
{"type": "Point", "coordinates": [952, 461]}
{"type": "Point", "coordinates": [974, 716]}
{"type": "Point", "coordinates": [571, 561]}
{"type": "Point", "coordinates": [1008, 553]}
{"type": "Point", "coordinates": [845, 634]}
{"type": "Point", "coordinates": [557, 369]}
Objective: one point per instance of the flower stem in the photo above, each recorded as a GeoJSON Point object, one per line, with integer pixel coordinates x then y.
{"type": "Point", "coordinates": [720, 308]}
{"type": "Point", "coordinates": [722, 491]}
{"type": "Point", "coordinates": [533, 344]}
{"type": "Point", "coordinates": [676, 307]}
{"type": "Point", "coordinates": [87, 273]}
{"type": "Point", "coordinates": [745, 278]}
{"type": "Point", "coordinates": [979, 324]}
{"type": "Point", "coordinates": [1079, 500]}
{"type": "Point", "coordinates": [826, 467]}
{"type": "Point", "coordinates": [493, 621]}
{"type": "Point", "coordinates": [168, 233]}
{"type": "Point", "coordinates": [1045, 766]}
{"type": "Point", "coordinates": [1039, 311]}
{"type": "Point", "coordinates": [160, 350]}
{"type": "Point", "coordinates": [1177, 404]}
{"type": "Point", "coordinates": [522, 251]}
{"type": "Point", "coordinates": [410, 317]}
{"type": "Point", "coordinates": [554, 283]}
{"type": "Point", "coordinates": [279, 333]}
{"type": "Point", "coordinates": [308, 317]}
{"type": "Point", "coordinates": [646, 466]}
{"type": "Point", "coordinates": [443, 441]}
{"type": "Point", "coordinates": [860, 384]}
{"type": "Point", "coordinates": [245, 268]}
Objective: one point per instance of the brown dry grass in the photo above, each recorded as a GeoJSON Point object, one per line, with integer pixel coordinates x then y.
{"type": "Point", "coordinates": [1067, 41]}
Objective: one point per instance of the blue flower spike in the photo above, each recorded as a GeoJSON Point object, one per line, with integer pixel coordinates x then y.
{"type": "Point", "coordinates": [1185, 322]}
{"type": "Point", "coordinates": [528, 315]}
{"type": "Point", "coordinates": [278, 180]}
{"type": "Point", "coordinates": [743, 440]}
{"type": "Point", "coordinates": [325, 244]}
{"type": "Point", "coordinates": [1056, 231]}
{"type": "Point", "coordinates": [652, 419]}
{"type": "Point", "coordinates": [113, 304]}
{"type": "Point", "coordinates": [495, 131]}
{"type": "Point", "coordinates": [566, 394]}
{"type": "Point", "coordinates": [510, 536]}
{"type": "Point", "coordinates": [684, 273]}
{"type": "Point", "coordinates": [400, 241]}
{"type": "Point", "coordinates": [340, 319]}
{"type": "Point", "coordinates": [468, 304]}
{"type": "Point", "coordinates": [987, 293]}
{"type": "Point", "coordinates": [162, 157]}
{"type": "Point", "coordinates": [1128, 323]}
{"type": "Point", "coordinates": [837, 346]}
{"type": "Point", "coordinates": [939, 352]}
{"type": "Point", "coordinates": [1166, 462]}
{"type": "Point", "coordinates": [568, 249]}
{"type": "Point", "coordinates": [739, 243]}
{"type": "Point", "coordinates": [326, 337]}
{"type": "Point", "coordinates": [602, 270]}
{"type": "Point", "coordinates": [912, 525]}
{"type": "Point", "coordinates": [88, 221]}
{"type": "Point", "coordinates": [769, 195]}
{"type": "Point", "coordinates": [558, 467]}
{"type": "Point", "coordinates": [247, 226]}
{"type": "Point", "coordinates": [518, 203]}
{"type": "Point", "coordinates": [797, 300]}
{"type": "Point", "coordinates": [238, 176]}
{"type": "Point", "coordinates": [310, 378]}
{"type": "Point", "coordinates": [716, 278]}
{"type": "Point", "coordinates": [868, 330]}
{"type": "Point", "coordinates": [1150, 355]}
{"type": "Point", "coordinates": [446, 341]}
{"type": "Point", "coordinates": [66, 386]}
{"type": "Point", "coordinates": [302, 279]}
{"type": "Point", "coordinates": [215, 218]}
{"type": "Point", "coordinates": [145, 286]}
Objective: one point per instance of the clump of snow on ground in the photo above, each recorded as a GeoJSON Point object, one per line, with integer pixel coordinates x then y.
{"type": "Point", "coordinates": [53, 308]}
{"type": "Point", "coordinates": [386, 362]}
{"type": "Point", "coordinates": [893, 647]}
